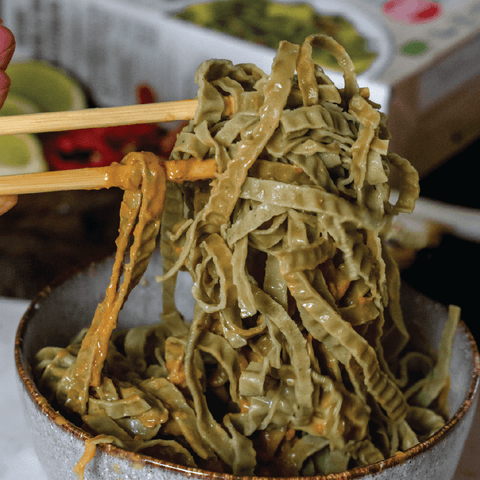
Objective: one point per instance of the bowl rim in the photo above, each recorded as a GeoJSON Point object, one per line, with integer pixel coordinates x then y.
{"type": "Point", "coordinates": [27, 380]}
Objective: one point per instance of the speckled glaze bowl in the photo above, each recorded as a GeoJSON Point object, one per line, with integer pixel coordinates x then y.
{"type": "Point", "coordinates": [59, 312]}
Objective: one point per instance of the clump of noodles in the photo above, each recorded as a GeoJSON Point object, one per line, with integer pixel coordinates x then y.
{"type": "Point", "coordinates": [297, 360]}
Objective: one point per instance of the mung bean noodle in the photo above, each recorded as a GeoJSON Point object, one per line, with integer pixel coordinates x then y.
{"type": "Point", "coordinates": [297, 360]}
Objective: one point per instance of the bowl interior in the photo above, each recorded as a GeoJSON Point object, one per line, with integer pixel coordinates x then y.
{"type": "Point", "coordinates": [60, 312]}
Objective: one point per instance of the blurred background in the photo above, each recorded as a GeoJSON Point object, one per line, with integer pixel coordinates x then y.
{"type": "Point", "coordinates": [420, 59]}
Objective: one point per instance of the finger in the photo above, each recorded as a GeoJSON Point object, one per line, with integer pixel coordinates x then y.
{"type": "Point", "coordinates": [7, 46]}
{"type": "Point", "coordinates": [4, 87]}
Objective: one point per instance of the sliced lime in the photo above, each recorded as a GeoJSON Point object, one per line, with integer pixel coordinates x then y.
{"type": "Point", "coordinates": [21, 154]}
{"type": "Point", "coordinates": [16, 104]}
{"type": "Point", "coordinates": [49, 87]}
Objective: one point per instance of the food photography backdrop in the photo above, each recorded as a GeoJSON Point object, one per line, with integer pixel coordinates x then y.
{"type": "Point", "coordinates": [419, 58]}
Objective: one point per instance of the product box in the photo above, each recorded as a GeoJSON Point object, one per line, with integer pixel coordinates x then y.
{"type": "Point", "coordinates": [425, 74]}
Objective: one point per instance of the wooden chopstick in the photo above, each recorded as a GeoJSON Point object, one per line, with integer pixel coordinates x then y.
{"type": "Point", "coordinates": [103, 117]}
{"type": "Point", "coordinates": [97, 117]}
{"type": "Point", "coordinates": [99, 177]}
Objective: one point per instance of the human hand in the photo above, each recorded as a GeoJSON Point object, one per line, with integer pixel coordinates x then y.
{"type": "Point", "coordinates": [7, 47]}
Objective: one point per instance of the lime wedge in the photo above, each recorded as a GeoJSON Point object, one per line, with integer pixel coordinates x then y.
{"type": "Point", "coordinates": [21, 154]}
{"type": "Point", "coordinates": [17, 105]}
{"type": "Point", "coordinates": [49, 87]}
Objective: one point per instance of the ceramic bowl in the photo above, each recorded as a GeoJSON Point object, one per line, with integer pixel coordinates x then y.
{"type": "Point", "coordinates": [60, 311]}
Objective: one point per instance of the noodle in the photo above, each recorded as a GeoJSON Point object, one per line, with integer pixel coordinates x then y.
{"type": "Point", "coordinates": [288, 367]}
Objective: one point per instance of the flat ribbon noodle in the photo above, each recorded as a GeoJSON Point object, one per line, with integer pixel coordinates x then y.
{"type": "Point", "coordinates": [226, 189]}
{"type": "Point", "coordinates": [147, 205]}
{"type": "Point", "coordinates": [379, 385]}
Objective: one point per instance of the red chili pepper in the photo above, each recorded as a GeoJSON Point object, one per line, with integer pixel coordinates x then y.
{"type": "Point", "coordinates": [145, 94]}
